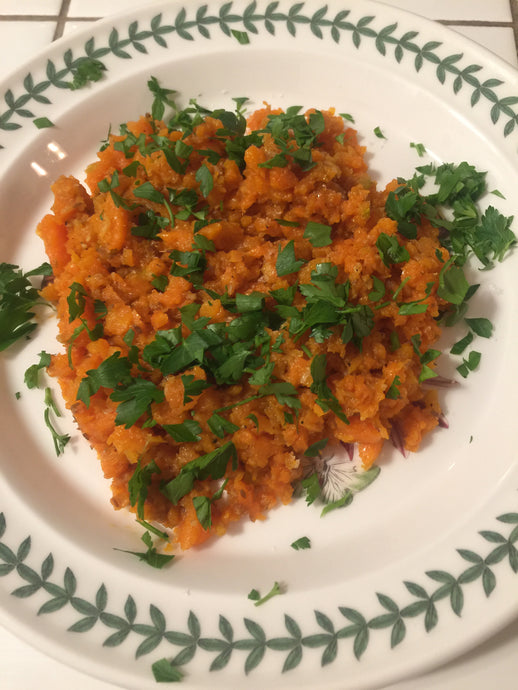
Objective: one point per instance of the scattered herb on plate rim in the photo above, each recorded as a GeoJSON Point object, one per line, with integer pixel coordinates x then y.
{"type": "Point", "coordinates": [258, 600]}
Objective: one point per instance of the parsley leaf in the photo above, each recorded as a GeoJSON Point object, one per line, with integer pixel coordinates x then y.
{"type": "Point", "coordinates": [139, 482]}
{"type": "Point", "coordinates": [221, 426]}
{"type": "Point", "coordinates": [188, 431]}
{"type": "Point", "coordinates": [459, 347]}
{"type": "Point", "coordinates": [192, 387]}
{"type": "Point", "coordinates": [393, 390]}
{"type": "Point", "coordinates": [135, 399]}
{"type": "Point", "coordinates": [166, 672]}
{"type": "Point", "coordinates": [205, 180]}
{"type": "Point", "coordinates": [203, 506]}
{"type": "Point", "coordinates": [301, 543]}
{"type": "Point", "coordinates": [420, 148]}
{"type": "Point", "coordinates": [481, 326]}
{"type": "Point", "coordinates": [31, 376]}
{"type": "Point", "coordinates": [211, 465]}
{"type": "Point", "coordinates": [162, 97]}
{"type": "Point", "coordinates": [60, 440]}
{"type": "Point", "coordinates": [149, 225]}
{"type": "Point", "coordinates": [470, 364]}
{"type": "Point", "coordinates": [493, 238]}
{"type": "Point", "coordinates": [453, 286]}
{"type": "Point", "coordinates": [340, 503]}
{"type": "Point", "coordinates": [147, 191]}
{"type": "Point", "coordinates": [151, 556]}
{"type": "Point", "coordinates": [318, 234]}
{"type": "Point", "coordinates": [325, 398]}
{"type": "Point", "coordinates": [114, 370]}
{"type": "Point", "coordinates": [160, 283]}
{"type": "Point", "coordinates": [314, 449]}
{"type": "Point", "coordinates": [390, 251]}
{"type": "Point", "coordinates": [189, 265]}
{"type": "Point", "coordinates": [311, 485]}
{"type": "Point", "coordinates": [255, 596]}
{"type": "Point", "coordinates": [286, 261]}
{"type": "Point", "coordinates": [18, 297]}
{"type": "Point", "coordinates": [43, 122]}
{"type": "Point", "coordinates": [85, 71]}
{"type": "Point", "coordinates": [378, 289]}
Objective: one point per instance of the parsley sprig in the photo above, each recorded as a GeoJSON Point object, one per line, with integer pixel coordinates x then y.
{"type": "Point", "coordinates": [18, 299]}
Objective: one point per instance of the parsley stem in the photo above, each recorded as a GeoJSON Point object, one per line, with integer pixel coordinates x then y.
{"type": "Point", "coordinates": [240, 402]}
{"type": "Point", "coordinates": [275, 590]}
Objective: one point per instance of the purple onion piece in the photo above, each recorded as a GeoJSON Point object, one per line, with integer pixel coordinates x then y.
{"type": "Point", "coordinates": [440, 382]}
{"type": "Point", "coordinates": [397, 440]}
{"type": "Point", "coordinates": [349, 449]}
{"type": "Point", "coordinates": [443, 422]}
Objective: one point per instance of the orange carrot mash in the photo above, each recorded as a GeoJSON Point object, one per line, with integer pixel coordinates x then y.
{"type": "Point", "coordinates": [162, 282]}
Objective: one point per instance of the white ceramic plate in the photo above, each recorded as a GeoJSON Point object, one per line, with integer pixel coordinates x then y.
{"type": "Point", "coordinates": [419, 568]}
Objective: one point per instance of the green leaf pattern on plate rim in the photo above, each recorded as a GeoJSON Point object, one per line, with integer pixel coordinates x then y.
{"type": "Point", "coordinates": [152, 628]}
{"type": "Point", "coordinates": [388, 43]}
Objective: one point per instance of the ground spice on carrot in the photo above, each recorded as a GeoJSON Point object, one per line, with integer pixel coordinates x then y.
{"type": "Point", "coordinates": [226, 295]}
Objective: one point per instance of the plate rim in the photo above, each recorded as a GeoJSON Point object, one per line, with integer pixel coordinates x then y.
{"type": "Point", "coordinates": [24, 551]}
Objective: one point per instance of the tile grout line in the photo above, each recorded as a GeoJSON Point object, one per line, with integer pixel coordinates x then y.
{"type": "Point", "coordinates": [28, 17]}
{"type": "Point", "coordinates": [514, 13]}
{"type": "Point", "coordinates": [474, 22]}
{"type": "Point", "coordinates": [61, 19]}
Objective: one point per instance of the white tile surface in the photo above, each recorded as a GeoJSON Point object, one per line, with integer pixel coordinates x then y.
{"type": "Point", "coordinates": [488, 10]}
{"type": "Point", "coordinates": [20, 41]}
{"type": "Point", "coordinates": [498, 39]}
{"type": "Point", "coordinates": [30, 6]}
{"type": "Point", "coordinates": [73, 25]}
{"type": "Point", "coordinates": [482, 10]}
{"type": "Point", "coordinates": [100, 8]}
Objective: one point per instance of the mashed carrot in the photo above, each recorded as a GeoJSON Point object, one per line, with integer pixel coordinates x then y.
{"type": "Point", "coordinates": [238, 307]}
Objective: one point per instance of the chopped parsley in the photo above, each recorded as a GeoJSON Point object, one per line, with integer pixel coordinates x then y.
{"type": "Point", "coordinates": [166, 672]}
{"type": "Point", "coordinates": [286, 261]}
{"type": "Point", "coordinates": [151, 556]}
{"type": "Point", "coordinates": [339, 503]}
{"type": "Point", "coordinates": [161, 98]}
{"type": "Point", "coordinates": [203, 506]}
{"type": "Point", "coordinates": [301, 544]}
{"type": "Point", "coordinates": [85, 71]}
{"type": "Point", "coordinates": [314, 449]}
{"type": "Point", "coordinates": [469, 364]}
{"type": "Point", "coordinates": [311, 487]}
{"type": "Point", "coordinates": [60, 440]}
{"type": "Point", "coordinates": [213, 465]}
{"type": "Point", "coordinates": [31, 376]}
{"type": "Point", "coordinates": [258, 600]}
{"type": "Point", "coordinates": [18, 299]}
{"type": "Point", "coordinates": [459, 347]}
{"type": "Point", "coordinates": [420, 148]}
{"type": "Point", "coordinates": [205, 180]}
{"type": "Point", "coordinates": [393, 390]}
{"type": "Point", "coordinates": [139, 483]}
{"type": "Point", "coordinates": [43, 122]}
{"type": "Point", "coordinates": [318, 234]}
{"type": "Point", "coordinates": [390, 251]}
{"type": "Point", "coordinates": [241, 37]}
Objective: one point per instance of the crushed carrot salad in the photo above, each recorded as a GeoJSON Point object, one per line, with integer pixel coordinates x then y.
{"type": "Point", "coordinates": [231, 293]}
